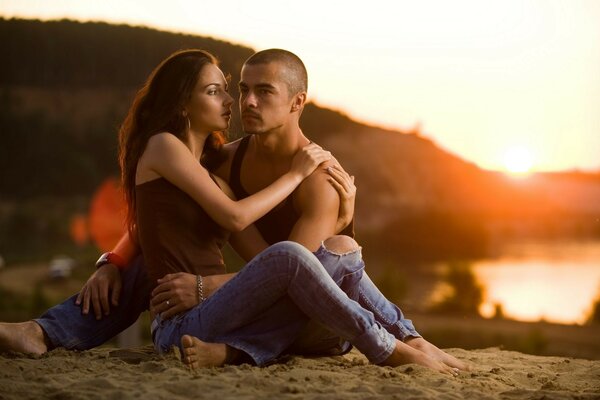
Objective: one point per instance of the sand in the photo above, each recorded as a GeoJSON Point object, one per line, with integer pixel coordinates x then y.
{"type": "Point", "coordinates": [139, 373]}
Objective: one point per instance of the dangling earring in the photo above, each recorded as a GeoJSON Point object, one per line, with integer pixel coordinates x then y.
{"type": "Point", "coordinates": [189, 124]}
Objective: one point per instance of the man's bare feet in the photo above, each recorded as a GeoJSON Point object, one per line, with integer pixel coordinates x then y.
{"type": "Point", "coordinates": [438, 354]}
{"type": "Point", "coordinates": [23, 337]}
{"type": "Point", "coordinates": [404, 354]}
{"type": "Point", "coordinates": [199, 354]}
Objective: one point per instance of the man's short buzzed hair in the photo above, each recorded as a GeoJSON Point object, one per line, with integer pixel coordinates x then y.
{"type": "Point", "coordinates": [295, 76]}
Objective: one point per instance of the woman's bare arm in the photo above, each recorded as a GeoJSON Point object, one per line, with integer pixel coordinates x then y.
{"type": "Point", "coordinates": [167, 156]}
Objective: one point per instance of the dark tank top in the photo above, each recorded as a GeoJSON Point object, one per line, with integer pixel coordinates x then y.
{"type": "Point", "coordinates": [175, 233]}
{"type": "Point", "coordinates": [277, 224]}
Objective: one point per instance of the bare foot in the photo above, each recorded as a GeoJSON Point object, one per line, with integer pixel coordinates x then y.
{"type": "Point", "coordinates": [405, 354]}
{"type": "Point", "coordinates": [438, 354]}
{"type": "Point", "coordinates": [23, 337]}
{"type": "Point", "coordinates": [199, 354]}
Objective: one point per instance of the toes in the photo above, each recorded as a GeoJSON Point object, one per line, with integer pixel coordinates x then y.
{"type": "Point", "coordinates": [453, 371]}
{"type": "Point", "coordinates": [187, 341]}
{"type": "Point", "coordinates": [190, 360]}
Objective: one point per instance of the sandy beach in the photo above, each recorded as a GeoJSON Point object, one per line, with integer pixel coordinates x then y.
{"type": "Point", "coordinates": [139, 373]}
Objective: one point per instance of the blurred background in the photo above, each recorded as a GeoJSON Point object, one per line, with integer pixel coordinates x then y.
{"type": "Point", "coordinates": [473, 132]}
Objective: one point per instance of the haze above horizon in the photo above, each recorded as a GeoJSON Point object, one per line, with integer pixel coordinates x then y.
{"type": "Point", "coordinates": [483, 80]}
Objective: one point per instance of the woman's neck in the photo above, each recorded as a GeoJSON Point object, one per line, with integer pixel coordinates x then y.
{"type": "Point", "coordinates": [195, 142]}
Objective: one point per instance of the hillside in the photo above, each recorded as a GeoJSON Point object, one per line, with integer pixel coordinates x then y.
{"type": "Point", "coordinates": [65, 87]}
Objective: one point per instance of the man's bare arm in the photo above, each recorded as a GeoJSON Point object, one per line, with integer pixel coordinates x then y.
{"type": "Point", "coordinates": [317, 202]}
{"type": "Point", "coordinates": [248, 243]}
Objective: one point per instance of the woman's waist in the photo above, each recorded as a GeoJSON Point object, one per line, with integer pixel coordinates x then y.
{"type": "Point", "coordinates": [161, 267]}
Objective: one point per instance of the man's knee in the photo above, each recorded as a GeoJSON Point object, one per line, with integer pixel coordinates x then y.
{"type": "Point", "coordinates": [341, 244]}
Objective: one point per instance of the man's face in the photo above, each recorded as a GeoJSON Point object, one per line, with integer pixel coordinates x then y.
{"type": "Point", "coordinates": [265, 103]}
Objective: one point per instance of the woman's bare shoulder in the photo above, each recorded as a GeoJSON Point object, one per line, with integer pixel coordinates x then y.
{"type": "Point", "coordinates": [164, 140]}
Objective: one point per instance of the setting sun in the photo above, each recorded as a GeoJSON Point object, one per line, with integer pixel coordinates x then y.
{"type": "Point", "coordinates": [518, 160]}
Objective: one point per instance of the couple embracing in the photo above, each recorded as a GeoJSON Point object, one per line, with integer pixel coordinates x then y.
{"type": "Point", "coordinates": [283, 203]}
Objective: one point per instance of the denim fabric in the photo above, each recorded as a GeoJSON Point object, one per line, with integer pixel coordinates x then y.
{"type": "Point", "coordinates": [386, 313]}
{"type": "Point", "coordinates": [266, 305]}
{"type": "Point", "coordinates": [348, 271]}
{"type": "Point", "coordinates": [65, 326]}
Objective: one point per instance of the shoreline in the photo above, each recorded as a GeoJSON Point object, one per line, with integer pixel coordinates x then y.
{"type": "Point", "coordinates": [536, 338]}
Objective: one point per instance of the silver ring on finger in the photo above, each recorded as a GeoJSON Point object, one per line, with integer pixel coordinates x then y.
{"type": "Point", "coordinates": [168, 303]}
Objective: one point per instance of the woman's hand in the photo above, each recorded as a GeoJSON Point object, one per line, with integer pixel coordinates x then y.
{"type": "Point", "coordinates": [174, 294]}
{"type": "Point", "coordinates": [308, 159]}
{"type": "Point", "coordinates": [344, 184]}
{"type": "Point", "coordinates": [95, 291]}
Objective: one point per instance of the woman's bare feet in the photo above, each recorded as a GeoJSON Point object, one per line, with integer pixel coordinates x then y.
{"type": "Point", "coordinates": [199, 354]}
{"type": "Point", "coordinates": [404, 354]}
{"type": "Point", "coordinates": [438, 354]}
{"type": "Point", "coordinates": [23, 337]}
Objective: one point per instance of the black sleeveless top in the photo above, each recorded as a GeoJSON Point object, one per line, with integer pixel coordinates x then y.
{"type": "Point", "coordinates": [175, 233]}
{"type": "Point", "coordinates": [277, 224]}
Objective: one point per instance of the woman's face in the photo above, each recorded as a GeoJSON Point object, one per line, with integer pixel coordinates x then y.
{"type": "Point", "coordinates": [209, 107]}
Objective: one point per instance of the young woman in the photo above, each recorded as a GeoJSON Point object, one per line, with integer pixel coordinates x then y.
{"type": "Point", "coordinates": [182, 215]}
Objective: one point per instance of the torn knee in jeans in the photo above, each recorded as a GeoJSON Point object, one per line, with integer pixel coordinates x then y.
{"type": "Point", "coordinates": [341, 245]}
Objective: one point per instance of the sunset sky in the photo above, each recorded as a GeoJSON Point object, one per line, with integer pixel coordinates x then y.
{"type": "Point", "coordinates": [506, 84]}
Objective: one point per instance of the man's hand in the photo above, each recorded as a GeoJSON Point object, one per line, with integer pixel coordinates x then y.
{"type": "Point", "coordinates": [96, 291]}
{"type": "Point", "coordinates": [178, 292]}
{"type": "Point", "coordinates": [174, 294]}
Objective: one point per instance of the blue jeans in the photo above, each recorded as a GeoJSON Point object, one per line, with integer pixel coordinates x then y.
{"type": "Point", "coordinates": [265, 306]}
{"type": "Point", "coordinates": [348, 272]}
{"type": "Point", "coordinates": [65, 326]}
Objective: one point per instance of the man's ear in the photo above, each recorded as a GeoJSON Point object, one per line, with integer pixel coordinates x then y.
{"type": "Point", "coordinates": [298, 102]}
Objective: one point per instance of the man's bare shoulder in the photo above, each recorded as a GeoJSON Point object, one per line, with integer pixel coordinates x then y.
{"type": "Point", "coordinates": [232, 146]}
{"type": "Point", "coordinates": [316, 192]}
{"type": "Point", "coordinates": [317, 183]}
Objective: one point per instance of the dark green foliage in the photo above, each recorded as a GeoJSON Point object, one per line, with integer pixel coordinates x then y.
{"type": "Point", "coordinates": [38, 228]}
{"type": "Point", "coordinates": [532, 342]}
{"type": "Point", "coordinates": [392, 282]}
{"type": "Point", "coordinates": [58, 146]}
{"type": "Point", "coordinates": [39, 302]}
{"type": "Point", "coordinates": [421, 237]}
{"type": "Point", "coordinates": [44, 156]}
{"type": "Point", "coordinates": [74, 54]}
{"type": "Point", "coordinates": [595, 317]}
{"type": "Point", "coordinates": [14, 307]}
{"type": "Point", "coordinates": [466, 294]}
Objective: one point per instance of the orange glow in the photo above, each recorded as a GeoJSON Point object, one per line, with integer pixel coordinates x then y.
{"type": "Point", "coordinates": [107, 215]}
{"type": "Point", "coordinates": [79, 229]}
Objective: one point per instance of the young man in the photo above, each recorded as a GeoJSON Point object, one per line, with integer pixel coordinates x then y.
{"type": "Point", "coordinates": [273, 89]}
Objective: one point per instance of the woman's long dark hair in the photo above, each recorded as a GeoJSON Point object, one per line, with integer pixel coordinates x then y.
{"type": "Point", "coordinates": [159, 107]}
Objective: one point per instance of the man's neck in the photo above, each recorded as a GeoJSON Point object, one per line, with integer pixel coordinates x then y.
{"type": "Point", "coordinates": [279, 146]}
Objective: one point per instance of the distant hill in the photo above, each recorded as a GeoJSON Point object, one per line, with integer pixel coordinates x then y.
{"type": "Point", "coordinates": [65, 87]}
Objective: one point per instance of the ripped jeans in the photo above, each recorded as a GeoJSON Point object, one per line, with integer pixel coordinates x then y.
{"type": "Point", "coordinates": [348, 272]}
{"type": "Point", "coordinates": [289, 300]}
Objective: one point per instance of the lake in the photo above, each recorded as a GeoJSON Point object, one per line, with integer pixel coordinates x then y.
{"type": "Point", "coordinates": [554, 281]}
